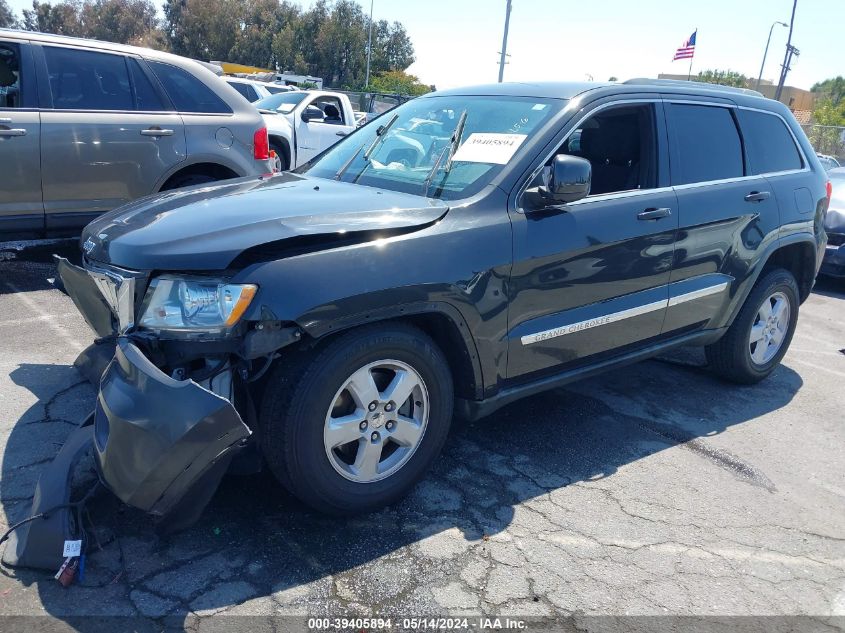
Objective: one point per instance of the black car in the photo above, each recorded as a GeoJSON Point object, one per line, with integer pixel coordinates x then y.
{"type": "Point", "coordinates": [834, 256]}
{"type": "Point", "coordinates": [470, 248]}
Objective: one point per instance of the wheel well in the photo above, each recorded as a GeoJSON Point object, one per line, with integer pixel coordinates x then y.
{"type": "Point", "coordinates": [285, 145]}
{"type": "Point", "coordinates": [218, 172]}
{"type": "Point", "coordinates": [800, 260]}
{"type": "Point", "coordinates": [448, 337]}
{"type": "Point", "coordinates": [445, 333]}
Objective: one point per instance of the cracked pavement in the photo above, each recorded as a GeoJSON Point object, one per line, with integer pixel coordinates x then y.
{"type": "Point", "coordinates": [653, 489]}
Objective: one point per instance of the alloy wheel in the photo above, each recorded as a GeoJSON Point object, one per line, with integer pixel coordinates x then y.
{"type": "Point", "coordinates": [376, 421]}
{"type": "Point", "coordinates": [769, 329]}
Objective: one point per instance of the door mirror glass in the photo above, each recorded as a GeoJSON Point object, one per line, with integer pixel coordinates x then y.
{"type": "Point", "coordinates": [311, 113]}
{"type": "Point", "coordinates": [569, 179]}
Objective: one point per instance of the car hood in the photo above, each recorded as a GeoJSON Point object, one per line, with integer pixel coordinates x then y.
{"type": "Point", "coordinates": [208, 226]}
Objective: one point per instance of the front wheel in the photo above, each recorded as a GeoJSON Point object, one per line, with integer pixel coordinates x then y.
{"type": "Point", "coordinates": [759, 337]}
{"type": "Point", "coordinates": [354, 427]}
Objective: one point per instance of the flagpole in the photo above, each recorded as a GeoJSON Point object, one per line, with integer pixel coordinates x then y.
{"type": "Point", "coordinates": [689, 72]}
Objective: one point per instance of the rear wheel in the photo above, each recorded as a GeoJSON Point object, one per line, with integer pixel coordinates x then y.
{"type": "Point", "coordinates": [759, 337]}
{"type": "Point", "coordinates": [356, 426]}
{"type": "Point", "coordinates": [282, 162]}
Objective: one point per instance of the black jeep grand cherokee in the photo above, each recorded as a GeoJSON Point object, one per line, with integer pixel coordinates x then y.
{"type": "Point", "coordinates": [467, 249]}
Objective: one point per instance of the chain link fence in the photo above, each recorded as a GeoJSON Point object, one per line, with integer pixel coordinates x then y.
{"type": "Point", "coordinates": [827, 139]}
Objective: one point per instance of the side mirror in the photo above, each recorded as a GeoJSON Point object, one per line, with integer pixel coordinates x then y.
{"type": "Point", "coordinates": [569, 179]}
{"type": "Point", "coordinates": [312, 112]}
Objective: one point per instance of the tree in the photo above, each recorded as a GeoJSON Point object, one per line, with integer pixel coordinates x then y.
{"type": "Point", "coordinates": [62, 18]}
{"type": "Point", "coordinates": [262, 22]}
{"type": "Point", "coordinates": [829, 121]}
{"type": "Point", "coordinates": [7, 18]}
{"type": "Point", "coordinates": [341, 42]}
{"type": "Point", "coordinates": [399, 82]}
{"type": "Point", "coordinates": [833, 89]}
{"type": "Point", "coordinates": [120, 21]}
{"type": "Point", "coordinates": [203, 29]}
{"type": "Point", "coordinates": [723, 78]}
{"type": "Point", "coordinates": [392, 47]}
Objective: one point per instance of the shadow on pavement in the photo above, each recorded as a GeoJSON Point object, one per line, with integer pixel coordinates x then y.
{"type": "Point", "coordinates": [255, 540]}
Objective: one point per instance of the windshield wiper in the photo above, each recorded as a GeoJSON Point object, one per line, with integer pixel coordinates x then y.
{"type": "Point", "coordinates": [380, 132]}
{"type": "Point", "coordinates": [339, 174]}
{"type": "Point", "coordinates": [455, 142]}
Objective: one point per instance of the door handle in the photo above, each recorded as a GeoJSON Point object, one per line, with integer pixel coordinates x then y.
{"type": "Point", "coordinates": [341, 133]}
{"type": "Point", "coordinates": [654, 214]}
{"type": "Point", "coordinates": [156, 131]}
{"type": "Point", "coordinates": [757, 196]}
{"type": "Point", "coordinates": [13, 132]}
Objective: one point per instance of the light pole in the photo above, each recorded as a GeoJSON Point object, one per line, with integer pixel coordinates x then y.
{"type": "Point", "coordinates": [766, 52]}
{"type": "Point", "coordinates": [369, 47]}
{"type": "Point", "coordinates": [505, 42]}
{"type": "Point", "coordinates": [790, 49]}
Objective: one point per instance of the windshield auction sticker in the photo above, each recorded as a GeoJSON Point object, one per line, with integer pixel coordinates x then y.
{"type": "Point", "coordinates": [489, 148]}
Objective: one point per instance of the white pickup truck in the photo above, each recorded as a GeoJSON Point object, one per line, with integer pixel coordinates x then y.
{"type": "Point", "coordinates": [302, 124]}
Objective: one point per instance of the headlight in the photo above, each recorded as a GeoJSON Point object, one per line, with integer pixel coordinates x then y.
{"type": "Point", "coordinates": [194, 305]}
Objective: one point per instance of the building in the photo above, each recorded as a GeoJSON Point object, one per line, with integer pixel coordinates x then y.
{"type": "Point", "coordinates": [798, 100]}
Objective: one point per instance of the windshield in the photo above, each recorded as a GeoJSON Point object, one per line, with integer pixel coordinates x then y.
{"type": "Point", "coordinates": [283, 102]}
{"type": "Point", "coordinates": [412, 152]}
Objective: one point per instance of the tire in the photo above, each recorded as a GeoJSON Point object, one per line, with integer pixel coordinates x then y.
{"type": "Point", "coordinates": [300, 398]}
{"type": "Point", "coordinates": [282, 163]}
{"type": "Point", "coordinates": [731, 356]}
{"type": "Point", "coordinates": [189, 180]}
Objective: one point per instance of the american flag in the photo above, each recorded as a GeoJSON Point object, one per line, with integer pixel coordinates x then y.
{"type": "Point", "coordinates": [687, 50]}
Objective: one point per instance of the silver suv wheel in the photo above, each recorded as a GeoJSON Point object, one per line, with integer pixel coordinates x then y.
{"type": "Point", "coordinates": [376, 421]}
{"type": "Point", "coordinates": [769, 329]}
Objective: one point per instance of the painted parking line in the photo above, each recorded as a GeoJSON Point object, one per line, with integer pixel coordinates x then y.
{"type": "Point", "coordinates": [43, 317]}
{"type": "Point", "coordinates": [37, 310]}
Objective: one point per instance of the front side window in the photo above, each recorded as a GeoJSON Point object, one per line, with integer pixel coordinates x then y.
{"type": "Point", "coordinates": [621, 145]}
{"type": "Point", "coordinates": [707, 143]}
{"type": "Point", "coordinates": [88, 80]}
{"type": "Point", "coordinates": [768, 142]}
{"type": "Point", "coordinates": [332, 110]}
{"type": "Point", "coordinates": [188, 93]}
{"type": "Point", "coordinates": [10, 76]}
{"type": "Point", "coordinates": [408, 149]}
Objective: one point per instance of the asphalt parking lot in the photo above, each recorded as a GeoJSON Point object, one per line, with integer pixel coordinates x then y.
{"type": "Point", "coordinates": [651, 490]}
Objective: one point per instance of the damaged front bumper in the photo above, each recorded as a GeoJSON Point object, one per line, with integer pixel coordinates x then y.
{"type": "Point", "coordinates": [159, 442]}
{"type": "Point", "coordinates": [157, 439]}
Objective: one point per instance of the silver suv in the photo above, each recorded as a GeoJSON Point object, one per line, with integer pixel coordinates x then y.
{"type": "Point", "coordinates": [86, 126]}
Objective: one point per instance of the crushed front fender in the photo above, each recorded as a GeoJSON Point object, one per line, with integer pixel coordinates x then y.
{"type": "Point", "coordinates": [160, 441]}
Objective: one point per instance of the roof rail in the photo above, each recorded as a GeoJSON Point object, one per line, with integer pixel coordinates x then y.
{"type": "Point", "coordinates": [642, 81]}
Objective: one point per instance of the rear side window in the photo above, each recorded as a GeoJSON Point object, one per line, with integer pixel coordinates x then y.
{"type": "Point", "coordinates": [88, 80]}
{"type": "Point", "coordinates": [188, 93]}
{"type": "Point", "coordinates": [146, 97]}
{"type": "Point", "coordinates": [246, 90]}
{"type": "Point", "coordinates": [707, 142]}
{"type": "Point", "coordinates": [768, 142]}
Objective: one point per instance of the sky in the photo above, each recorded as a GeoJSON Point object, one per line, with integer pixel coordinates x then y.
{"type": "Point", "coordinates": [457, 41]}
